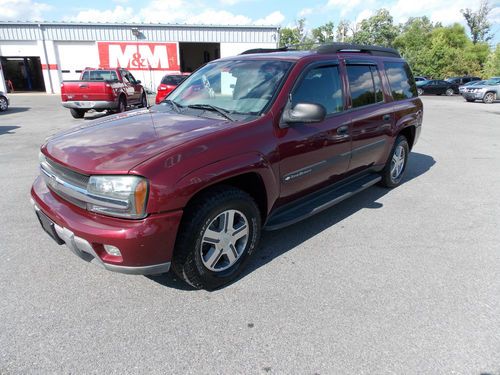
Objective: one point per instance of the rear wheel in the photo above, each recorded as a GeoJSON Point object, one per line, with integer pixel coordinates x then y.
{"type": "Point", "coordinates": [489, 97]}
{"type": "Point", "coordinates": [393, 172]}
{"type": "Point", "coordinates": [4, 104]}
{"type": "Point", "coordinates": [122, 105]}
{"type": "Point", "coordinates": [144, 101]}
{"type": "Point", "coordinates": [77, 113]}
{"type": "Point", "coordinates": [449, 92]}
{"type": "Point", "coordinates": [219, 233]}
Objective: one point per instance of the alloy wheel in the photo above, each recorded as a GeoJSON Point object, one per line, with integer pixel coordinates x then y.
{"type": "Point", "coordinates": [398, 162]}
{"type": "Point", "coordinates": [3, 104]}
{"type": "Point", "coordinates": [224, 240]}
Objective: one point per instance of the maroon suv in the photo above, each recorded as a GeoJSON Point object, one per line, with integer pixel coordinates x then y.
{"type": "Point", "coordinates": [257, 141]}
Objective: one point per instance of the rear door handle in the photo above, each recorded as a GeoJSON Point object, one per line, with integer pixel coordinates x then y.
{"type": "Point", "coordinates": [386, 117]}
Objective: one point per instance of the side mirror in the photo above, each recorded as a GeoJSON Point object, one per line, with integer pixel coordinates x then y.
{"type": "Point", "coordinates": [138, 81]}
{"type": "Point", "coordinates": [303, 113]}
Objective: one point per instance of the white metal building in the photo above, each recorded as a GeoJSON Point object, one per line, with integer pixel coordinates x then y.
{"type": "Point", "coordinates": [39, 56]}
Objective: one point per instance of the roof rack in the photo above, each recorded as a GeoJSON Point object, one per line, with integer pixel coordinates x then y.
{"type": "Point", "coordinates": [347, 47]}
{"type": "Point", "coordinates": [264, 50]}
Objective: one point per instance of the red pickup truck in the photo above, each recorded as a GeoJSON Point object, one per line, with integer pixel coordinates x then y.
{"type": "Point", "coordinates": [258, 141]}
{"type": "Point", "coordinates": [102, 89]}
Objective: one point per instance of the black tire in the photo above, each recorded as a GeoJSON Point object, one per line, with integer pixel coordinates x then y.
{"type": "Point", "coordinates": [187, 260]}
{"type": "Point", "coordinates": [122, 105]}
{"type": "Point", "coordinates": [4, 104]}
{"type": "Point", "coordinates": [77, 113]}
{"type": "Point", "coordinates": [388, 180]}
{"type": "Point", "coordinates": [144, 101]}
{"type": "Point", "coordinates": [489, 97]}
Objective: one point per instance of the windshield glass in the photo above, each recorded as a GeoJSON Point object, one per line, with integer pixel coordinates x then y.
{"type": "Point", "coordinates": [492, 82]}
{"type": "Point", "coordinates": [235, 86]}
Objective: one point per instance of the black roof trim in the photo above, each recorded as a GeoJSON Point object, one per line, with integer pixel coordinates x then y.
{"type": "Point", "coordinates": [264, 50]}
{"type": "Point", "coordinates": [347, 47]}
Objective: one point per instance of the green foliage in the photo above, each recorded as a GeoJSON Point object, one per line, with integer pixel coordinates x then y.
{"type": "Point", "coordinates": [478, 23]}
{"type": "Point", "coordinates": [378, 29]}
{"type": "Point", "coordinates": [492, 65]}
{"type": "Point", "coordinates": [293, 35]}
{"type": "Point", "coordinates": [324, 33]}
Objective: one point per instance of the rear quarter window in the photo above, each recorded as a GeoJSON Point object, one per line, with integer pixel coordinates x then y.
{"type": "Point", "coordinates": [400, 80]}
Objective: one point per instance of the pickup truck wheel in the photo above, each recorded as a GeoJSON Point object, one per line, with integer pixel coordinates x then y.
{"type": "Point", "coordinates": [489, 97]}
{"type": "Point", "coordinates": [122, 105]}
{"type": "Point", "coordinates": [393, 172]}
{"type": "Point", "coordinates": [144, 101]}
{"type": "Point", "coordinates": [77, 113]}
{"type": "Point", "coordinates": [219, 233]}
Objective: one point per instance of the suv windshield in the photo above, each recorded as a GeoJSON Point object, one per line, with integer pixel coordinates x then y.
{"type": "Point", "coordinates": [235, 86]}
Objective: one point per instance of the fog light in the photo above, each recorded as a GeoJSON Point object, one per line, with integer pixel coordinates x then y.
{"type": "Point", "coordinates": [112, 250]}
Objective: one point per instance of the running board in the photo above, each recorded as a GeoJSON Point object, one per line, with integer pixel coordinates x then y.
{"type": "Point", "coordinates": [319, 201]}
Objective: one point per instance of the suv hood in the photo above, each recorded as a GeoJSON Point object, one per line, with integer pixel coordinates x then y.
{"type": "Point", "coordinates": [120, 142]}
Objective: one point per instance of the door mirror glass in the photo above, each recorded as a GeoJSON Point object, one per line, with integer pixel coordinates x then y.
{"type": "Point", "coordinates": [304, 113]}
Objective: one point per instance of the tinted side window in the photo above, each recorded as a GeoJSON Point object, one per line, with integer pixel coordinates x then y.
{"type": "Point", "coordinates": [364, 83]}
{"type": "Point", "coordinates": [401, 80]}
{"type": "Point", "coordinates": [86, 76]}
{"type": "Point", "coordinates": [321, 86]}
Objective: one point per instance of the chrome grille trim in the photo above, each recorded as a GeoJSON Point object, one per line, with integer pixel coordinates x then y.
{"type": "Point", "coordinates": [66, 174]}
{"type": "Point", "coordinates": [69, 190]}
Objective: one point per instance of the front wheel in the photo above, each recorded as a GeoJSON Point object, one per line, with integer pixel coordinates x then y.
{"type": "Point", "coordinates": [219, 233]}
{"type": "Point", "coordinates": [4, 104]}
{"type": "Point", "coordinates": [393, 172]}
{"type": "Point", "coordinates": [77, 113]}
{"type": "Point", "coordinates": [420, 92]}
{"type": "Point", "coordinates": [449, 92]}
{"type": "Point", "coordinates": [489, 98]}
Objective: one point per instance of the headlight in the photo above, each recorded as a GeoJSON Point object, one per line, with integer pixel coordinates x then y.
{"type": "Point", "coordinates": [122, 196]}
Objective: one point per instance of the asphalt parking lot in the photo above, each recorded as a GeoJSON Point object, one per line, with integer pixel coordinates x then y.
{"type": "Point", "coordinates": [402, 281]}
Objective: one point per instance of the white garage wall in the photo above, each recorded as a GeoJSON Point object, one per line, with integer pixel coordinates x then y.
{"type": "Point", "coordinates": [20, 49]}
{"type": "Point", "coordinates": [233, 49]}
{"type": "Point", "coordinates": [75, 56]}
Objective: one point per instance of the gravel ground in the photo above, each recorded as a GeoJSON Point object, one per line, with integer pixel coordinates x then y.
{"type": "Point", "coordinates": [402, 281]}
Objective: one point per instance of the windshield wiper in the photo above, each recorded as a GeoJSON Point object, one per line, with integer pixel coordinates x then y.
{"type": "Point", "coordinates": [173, 104]}
{"type": "Point", "coordinates": [213, 108]}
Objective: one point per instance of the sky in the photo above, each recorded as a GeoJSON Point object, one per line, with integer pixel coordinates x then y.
{"type": "Point", "coordinates": [239, 12]}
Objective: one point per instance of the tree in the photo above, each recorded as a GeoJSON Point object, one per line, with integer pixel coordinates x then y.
{"type": "Point", "coordinates": [324, 33]}
{"type": "Point", "coordinates": [378, 29]}
{"type": "Point", "coordinates": [492, 65]}
{"type": "Point", "coordinates": [293, 35]}
{"type": "Point", "coordinates": [342, 31]}
{"type": "Point", "coordinates": [478, 23]}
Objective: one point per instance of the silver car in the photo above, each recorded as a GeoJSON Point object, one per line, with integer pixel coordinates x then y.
{"type": "Point", "coordinates": [4, 101]}
{"type": "Point", "coordinates": [488, 92]}
{"type": "Point", "coordinates": [462, 88]}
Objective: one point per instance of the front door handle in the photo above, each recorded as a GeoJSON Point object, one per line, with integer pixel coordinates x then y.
{"type": "Point", "coordinates": [343, 130]}
{"type": "Point", "coordinates": [386, 117]}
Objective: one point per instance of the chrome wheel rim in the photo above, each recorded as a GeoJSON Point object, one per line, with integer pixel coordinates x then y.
{"type": "Point", "coordinates": [420, 91]}
{"type": "Point", "coordinates": [398, 162]}
{"type": "Point", "coordinates": [224, 240]}
{"type": "Point", "coordinates": [449, 92]}
{"type": "Point", "coordinates": [3, 104]}
{"type": "Point", "coordinates": [489, 98]}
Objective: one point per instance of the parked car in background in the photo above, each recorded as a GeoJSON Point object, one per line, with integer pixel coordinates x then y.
{"type": "Point", "coordinates": [461, 89]}
{"type": "Point", "coordinates": [488, 92]}
{"type": "Point", "coordinates": [246, 143]}
{"type": "Point", "coordinates": [458, 81]}
{"type": "Point", "coordinates": [168, 84]}
{"type": "Point", "coordinates": [102, 89]}
{"type": "Point", "coordinates": [4, 101]}
{"type": "Point", "coordinates": [420, 78]}
{"type": "Point", "coordinates": [435, 87]}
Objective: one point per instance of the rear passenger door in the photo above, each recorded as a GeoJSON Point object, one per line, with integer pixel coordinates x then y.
{"type": "Point", "coordinates": [371, 115]}
{"type": "Point", "coordinates": [314, 154]}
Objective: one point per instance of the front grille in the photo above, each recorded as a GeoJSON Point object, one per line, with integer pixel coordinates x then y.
{"type": "Point", "coordinates": [68, 175]}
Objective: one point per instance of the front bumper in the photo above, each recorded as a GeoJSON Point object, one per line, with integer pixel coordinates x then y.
{"type": "Point", "coordinates": [473, 95]}
{"type": "Point", "coordinates": [146, 245]}
{"type": "Point", "coordinates": [88, 104]}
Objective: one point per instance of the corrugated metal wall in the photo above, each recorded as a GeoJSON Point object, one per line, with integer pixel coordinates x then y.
{"type": "Point", "coordinates": [123, 32]}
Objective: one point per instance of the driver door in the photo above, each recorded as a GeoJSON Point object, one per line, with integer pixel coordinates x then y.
{"type": "Point", "coordinates": [318, 153]}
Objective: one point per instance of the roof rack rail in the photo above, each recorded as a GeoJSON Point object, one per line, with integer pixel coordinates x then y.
{"type": "Point", "coordinates": [347, 47]}
{"type": "Point", "coordinates": [264, 50]}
